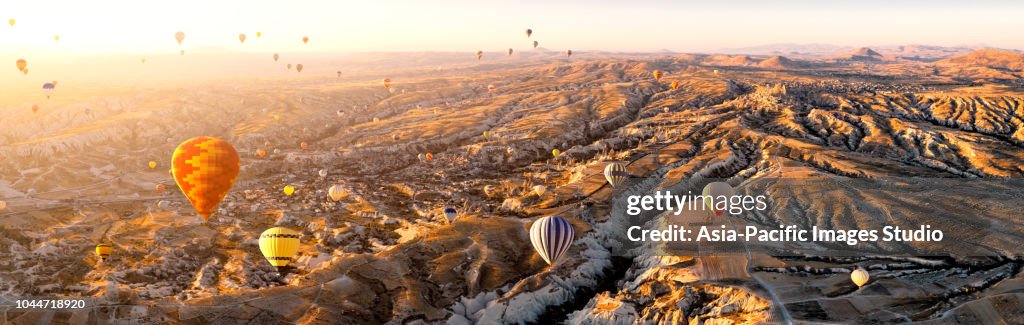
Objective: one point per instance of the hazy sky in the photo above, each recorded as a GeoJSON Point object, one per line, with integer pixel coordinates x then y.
{"type": "Point", "coordinates": [140, 26]}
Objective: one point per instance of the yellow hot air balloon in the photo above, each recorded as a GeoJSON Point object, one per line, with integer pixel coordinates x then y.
{"type": "Point", "coordinates": [487, 135]}
{"type": "Point", "coordinates": [56, 38]}
{"type": "Point", "coordinates": [539, 190]}
{"type": "Point", "coordinates": [152, 164]}
{"type": "Point", "coordinates": [205, 169]}
{"type": "Point", "coordinates": [859, 277]}
{"type": "Point", "coordinates": [277, 117]}
{"type": "Point", "coordinates": [180, 36]}
{"type": "Point", "coordinates": [289, 190]}
{"type": "Point", "coordinates": [387, 83]}
{"type": "Point", "coordinates": [103, 250]}
{"type": "Point", "coordinates": [279, 245]}
{"type": "Point", "coordinates": [657, 75]}
{"type": "Point", "coordinates": [11, 22]}
{"type": "Point", "coordinates": [261, 153]}
{"type": "Point", "coordinates": [21, 63]}
{"type": "Point", "coordinates": [555, 152]}
{"type": "Point", "coordinates": [241, 38]}
{"type": "Point", "coordinates": [259, 34]}
{"type": "Point", "coordinates": [675, 85]}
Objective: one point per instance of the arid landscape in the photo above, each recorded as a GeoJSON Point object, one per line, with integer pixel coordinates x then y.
{"type": "Point", "coordinates": [837, 137]}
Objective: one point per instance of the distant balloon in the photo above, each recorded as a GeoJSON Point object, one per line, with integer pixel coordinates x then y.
{"type": "Point", "coordinates": [421, 157]}
{"type": "Point", "coordinates": [35, 108]}
{"type": "Point", "coordinates": [261, 153]}
{"type": "Point", "coordinates": [259, 34]}
{"type": "Point", "coordinates": [25, 72]}
{"type": "Point", "coordinates": [103, 250]}
{"type": "Point", "coordinates": [490, 190]}
{"type": "Point", "coordinates": [303, 145]}
{"type": "Point", "coordinates": [298, 67]}
{"type": "Point", "coordinates": [430, 156]}
{"type": "Point", "coordinates": [451, 214]}
{"type": "Point", "coordinates": [487, 135]}
{"type": "Point", "coordinates": [535, 43]}
{"type": "Point", "coordinates": [160, 188]}
{"type": "Point", "coordinates": [276, 56]}
{"type": "Point", "coordinates": [860, 277]}
{"type": "Point", "coordinates": [289, 66]}
{"type": "Point", "coordinates": [322, 173]}
{"type": "Point", "coordinates": [387, 83]}
{"type": "Point", "coordinates": [568, 53]}
{"type": "Point", "coordinates": [205, 169]}
{"type": "Point", "coordinates": [711, 193]}
{"type": "Point", "coordinates": [3, 205]}
{"type": "Point", "coordinates": [510, 51]}
{"type": "Point", "coordinates": [143, 60]}
{"type": "Point", "coordinates": [491, 88]}
{"type": "Point", "coordinates": [182, 52]}
{"type": "Point", "coordinates": [551, 236]}
{"type": "Point", "coordinates": [657, 75]}
{"type": "Point", "coordinates": [675, 85]}
{"type": "Point", "coordinates": [21, 63]}
{"type": "Point", "coordinates": [336, 193]}
{"type": "Point", "coordinates": [540, 190]}
{"type": "Point", "coordinates": [615, 173]}
{"type": "Point", "coordinates": [479, 54]}
{"type": "Point", "coordinates": [529, 32]}
{"type": "Point", "coordinates": [555, 153]}
{"type": "Point", "coordinates": [180, 36]}
{"type": "Point", "coordinates": [48, 89]}
{"type": "Point", "coordinates": [279, 245]}
{"type": "Point", "coordinates": [339, 73]}
{"type": "Point", "coordinates": [56, 38]}
{"type": "Point", "coordinates": [241, 38]}
{"type": "Point", "coordinates": [164, 205]}
{"type": "Point", "coordinates": [305, 39]}
{"type": "Point", "coordinates": [11, 22]}
{"type": "Point", "coordinates": [152, 164]}
{"type": "Point", "coordinates": [289, 190]}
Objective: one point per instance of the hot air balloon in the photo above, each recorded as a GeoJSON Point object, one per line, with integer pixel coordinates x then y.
{"type": "Point", "coordinates": [152, 164]}
{"type": "Point", "coordinates": [490, 88]}
{"type": "Point", "coordinates": [304, 145]}
{"type": "Point", "coordinates": [421, 157]}
{"type": "Point", "coordinates": [259, 34]}
{"type": "Point", "coordinates": [21, 63]}
{"type": "Point", "coordinates": [615, 173]}
{"type": "Point", "coordinates": [277, 117]}
{"type": "Point", "coordinates": [276, 56]}
{"type": "Point", "coordinates": [182, 52]}
{"type": "Point", "coordinates": [261, 153]}
{"type": "Point", "coordinates": [555, 153]}
{"type": "Point", "coordinates": [48, 89]}
{"type": "Point", "coordinates": [479, 54]}
{"type": "Point", "coordinates": [859, 277]}
{"type": "Point", "coordinates": [180, 36]}
{"type": "Point", "coordinates": [164, 205]}
{"type": "Point", "coordinates": [305, 39]}
{"type": "Point", "coordinates": [11, 22]}
{"type": "Point", "coordinates": [142, 60]}
{"type": "Point", "coordinates": [657, 75]}
{"type": "Point", "coordinates": [279, 245]}
{"type": "Point", "coordinates": [336, 193]}
{"type": "Point", "coordinates": [241, 38]}
{"type": "Point", "coordinates": [25, 72]}
{"type": "Point", "coordinates": [160, 188]}
{"type": "Point", "coordinates": [56, 38]}
{"type": "Point", "coordinates": [711, 194]}
{"type": "Point", "coordinates": [387, 83]}
{"type": "Point", "coordinates": [3, 205]}
{"type": "Point", "coordinates": [430, 156]}
{"type": "Point", "coordinates": [568, 53]}
{"type": "Point", "coordinates": [339, 74]}
{"type": "Point", "coordinates": [487, 135]}
{"type": "Point", "coordinates": [675, 85]}
{"type": "Point", "coordinates": [35, 108]}
{"type": "Point", "coordinates": [451, 214]}
{"type": "Point", "coordinates": [490, 190]}
{"type": "Point", "coordinates": [103, 250]}
{"type": "Point", "coordinates": [205, 169]}
{"type": "Point", "coordinates": [535, 44]}
{"type": "Point", "coordinates": [510, 51]}
{"type": "Point", "coordinates": [551, 237]}
{"type": "Point", "coordinates": [289, 66]}
{"type": "Point", "coordinates": [289, 190]}
{"type": "Point", "coordinates": [298, 67]}
{"type": "Point", "coordinates": [539, 190]}
{"type": "Point", "coordinates": [322, 173]}
{"type": "Point", "coordinates": [396, 137]}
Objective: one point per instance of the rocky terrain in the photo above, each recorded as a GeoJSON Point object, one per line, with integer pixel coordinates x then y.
{"type": "Point", "coordinates": [845, 141]}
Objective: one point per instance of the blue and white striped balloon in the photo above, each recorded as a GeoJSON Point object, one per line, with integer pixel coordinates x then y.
{"type": "Point", "coordinates": [451, 214]}
{"type": "Point", "coordinates": [551, 236]}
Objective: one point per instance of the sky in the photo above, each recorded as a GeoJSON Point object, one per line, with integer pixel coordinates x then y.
{"type": "Point", "coordinates": [133, 26]}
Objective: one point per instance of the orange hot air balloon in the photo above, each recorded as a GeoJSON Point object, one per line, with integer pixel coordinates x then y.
{"type": "Point", "coordinates": [180, 36]}
{"type": "Point", "coordinates": [430, 156]}
{"type": "Point", "coordinates": [305, 39]}
{"type": "Point", "coordinates": [304, 146]}
{"type": "Point", "coordinates": [675, 85]}
{"type": "Point", "coordinates": [35, 108]}
{"type": "Point", "coordinates": [298, 67]}
{"type": "Point", "coordinates": [387, 83]}
{"type": "Point", "coordinates": [205, 169]}
{"type": "Point", "coordinates": [261, 153]}
{"type": "Point", "coordinates": [241, 38]}
{"type": "Point", "coordinates": [160, 188]}
{"type": "Point", "coordinates": [21, 64]}
{"type": "Point", "coordinates": [657, 75]}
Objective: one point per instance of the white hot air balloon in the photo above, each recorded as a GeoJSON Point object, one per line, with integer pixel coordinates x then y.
{"type": "Point", "coordinates": [451, 214]}
{"type": "Point", "coordinates": [322, 173]}
{"type": "Point", "coordinates": [551, 237]}
{"type": "Point", "coordinates": [859, 277]}
{"type": "Point", "coordinates": [540, 190]}
{"type": "Point", "coordinates": [336, 192]}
